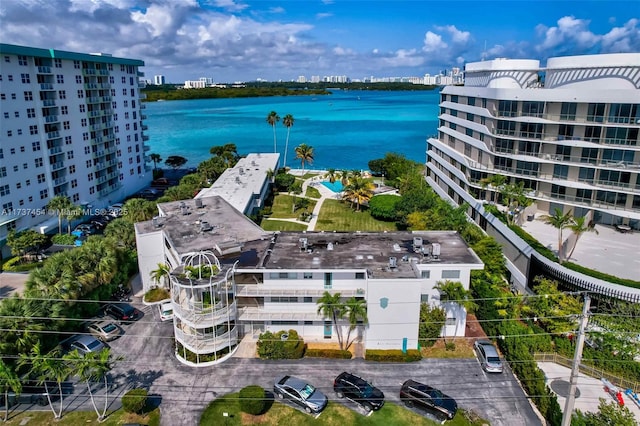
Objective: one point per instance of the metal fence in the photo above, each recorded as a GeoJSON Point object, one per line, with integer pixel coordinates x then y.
{"type": "Point", "coordinates": [589, 370]}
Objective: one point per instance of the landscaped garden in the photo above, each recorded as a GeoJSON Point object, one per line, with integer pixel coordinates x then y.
{"type": "Point", "coordinates": [338, 216]}
{"type": "Point", "coordinates": [75, 418]}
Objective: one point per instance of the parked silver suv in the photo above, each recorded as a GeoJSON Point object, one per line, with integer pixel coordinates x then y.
{"type": "Point", "coordinates": [488, 356]}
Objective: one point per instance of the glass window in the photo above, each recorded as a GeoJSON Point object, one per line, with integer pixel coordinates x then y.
{"type": "Point", "coordinates": [508, 108]}
{"type": "Point", "coordinates": [568, 111]}
{"type": "Point", "coordinates": [450, 274]}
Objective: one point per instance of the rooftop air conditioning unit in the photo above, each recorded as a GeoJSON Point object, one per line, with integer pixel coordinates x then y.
{"type": "Point", "coordinates": [393, 262]}
{"type": "Point", "coordinates": [417, 243]}
{"type": "Point", "coordinates": [205, 226]}
{"type": "Point", "coordinates": [303, 243]}
{"type": "Point", "coordinates": [156, 222]}
{"type": "Point", "coordinates": [330, 246]}
{"type": "Point", "coordinates": [199, 203]}
{"type": "Point", "coordinates": [435, 249]}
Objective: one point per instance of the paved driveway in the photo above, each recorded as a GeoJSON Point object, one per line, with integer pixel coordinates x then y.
{"type": "Point", "coordinates": [148, 350]}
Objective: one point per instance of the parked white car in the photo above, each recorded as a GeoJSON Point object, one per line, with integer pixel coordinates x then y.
{"type": "Point", "coordinates": [166, 311]}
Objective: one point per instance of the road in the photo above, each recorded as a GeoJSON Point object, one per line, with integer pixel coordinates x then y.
{"type": "Point", "coordinates": [147, 348]}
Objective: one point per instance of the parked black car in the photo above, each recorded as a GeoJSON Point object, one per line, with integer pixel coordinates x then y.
{"type": "Point", "coordinates": [301, 393]}
{"type": "Point", "coordinates": [420, 395]}
{"type": "Point", "coordinates": [359, 391]}
{"type": "Point", "coordinates": [122, 312]}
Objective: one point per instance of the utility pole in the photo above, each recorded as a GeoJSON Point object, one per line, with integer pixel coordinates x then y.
{"type": "Point", "coordinates": [575, 369]}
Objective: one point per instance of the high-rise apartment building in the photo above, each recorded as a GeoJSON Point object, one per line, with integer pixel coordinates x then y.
{"type": "Point", "coordinates": [568, 131]}
{"type": "Point", "coordinates": [158, 80]}
{"type": "Point", "coordinates": [72, 124]}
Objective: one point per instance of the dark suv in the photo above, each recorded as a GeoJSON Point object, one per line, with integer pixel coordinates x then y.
{"type": "Point", "coordinates": [122, 312]}
{"type": "Point", "coordinates": [359, 391]}
{"type": "Point", "coordinates": [420, 395]}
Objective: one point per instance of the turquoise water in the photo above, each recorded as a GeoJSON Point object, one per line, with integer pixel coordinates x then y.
{"type": "Point", "coordinates": [335, 186]}
{"type": "Point", "coordinates": [346, 129]}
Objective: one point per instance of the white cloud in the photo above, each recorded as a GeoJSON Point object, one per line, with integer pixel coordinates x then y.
{"type": "Point", "coordinates": [433, 42]}
{"type": "Point", "coordinates": [622, 39]}
{"type": "Point", "coordinates": [230, 5]}
{"type": "Point", "coordinates": [277, 9]}
{"type": "Point", "coordinates": [405, 58]}
{"type": "Point", "coordinates": [569, 34]}
{"type": "Point", "coordinates": [341, 51]}
{"type": "Point", "coordinates": [457, 36]}
{"type": "Point", "coordinates": [323, 15]}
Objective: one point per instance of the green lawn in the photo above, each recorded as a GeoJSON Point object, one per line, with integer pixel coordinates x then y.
{"type": "Point", "coordinates": [336, 215]}
{"type": "Point", "coordinates": [312, 192]}
{"type": "Point", "coordinates": [281, 225]}
{"type": "Point", "coordinates": [335, 414]}
{"type": "Point", "coordinates": [45, 418]}
{"type": "Point", "coordinates": [282, 204]}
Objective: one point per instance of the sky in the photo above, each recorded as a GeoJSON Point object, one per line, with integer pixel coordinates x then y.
{"type": "Point", "coordinates": [236, 40]}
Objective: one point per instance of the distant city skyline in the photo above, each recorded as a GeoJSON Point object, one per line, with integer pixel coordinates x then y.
{"type": "Point", "coordinates": [231, 40]}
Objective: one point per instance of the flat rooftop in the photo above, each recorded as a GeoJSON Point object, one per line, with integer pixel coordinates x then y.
{"type": "Point", "coordinates": [238, 185]}
{"type": "Point", "coordinates": [369, 251]}
{"type": "Point", "coordinates": [205, 223]}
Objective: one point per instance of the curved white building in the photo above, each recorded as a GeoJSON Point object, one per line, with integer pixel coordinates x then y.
{"type": "Point", "coordinates": [568, 131]}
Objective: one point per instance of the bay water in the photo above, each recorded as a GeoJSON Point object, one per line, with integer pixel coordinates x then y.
{"type": "Point", "coordinates": [346, 129]}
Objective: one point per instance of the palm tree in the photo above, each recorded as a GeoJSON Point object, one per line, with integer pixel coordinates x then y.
{"type": "Point", "coordinates": [272, 119]}
{"type": "Point", "coordinates": [304, 153]}
{"type": "Point", "coordinates": [156, 159]}
{"type": "Point", "coordinates": [359, 191]}
{"type": "Point", "coordinates": [138, 210]}
{"type": "Point", "coordinates": [46, 367]}
{"type": "Point", "coordinates": [345, 175]}
{"type": "Point", "coordinates": [356, 313]}
{"type": "Point", "coordinates": [579, 227]}
{"type": "Point", "coordinates": [452, 292]}
{"type": "Point", "coordinates": [9, 381]}
{"type": "Point", "coordinates": [559, 221]}
{"type": "Point", "coordinates": [61, 204]}
{"type": "Point", "coordinates": [122, 232]}
{"type": "Point", "coordinates": [161, 274]}
{"type": "Point", "coordinates": [287, 121]}
{"type": "Point", "coordinates": [330, 306]}
{"type": "Point", "coordinates": [90, 367]}
{"type": "Point", "coordinates": [74, 212]}
{"type": "Point", "coordinates": [227, 152]}
{"type": "Point", "coordinates": [331, 175]}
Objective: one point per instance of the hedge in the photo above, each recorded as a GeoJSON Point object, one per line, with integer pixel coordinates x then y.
{"type": "Point", "coordinates": [327, 353]}
{"type": "Point", "coordinates": [280, 345]}
{"type": "Point", "coordinates": [134, 400]}
{"type": "Point", "coordinates": [393, 355]}
{"type": "Point", "coordinates": [252, 400]}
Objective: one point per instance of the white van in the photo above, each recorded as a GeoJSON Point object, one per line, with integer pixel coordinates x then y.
{"type": "Point", "coordinates": [166, 311]}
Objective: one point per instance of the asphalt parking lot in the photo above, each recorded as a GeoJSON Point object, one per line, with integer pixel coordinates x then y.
{"type": "Point", "coordinates": [148, 361]}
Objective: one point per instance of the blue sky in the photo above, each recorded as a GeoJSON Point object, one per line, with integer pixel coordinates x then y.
{"type": "Point", "coordinates": [234, 40]}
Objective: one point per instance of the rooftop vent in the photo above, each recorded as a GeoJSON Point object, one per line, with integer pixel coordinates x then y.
{"type": "Point", "coordinates": [184, 209]}
{"type": "Point", "coordinates": [417, 243]}
{"type": "Point", "coordinates": [396, 247]}
{"type": "Point", "coordinates": [435, 250]}
{"type": "Point", "coordinates": [156, 222]}
{"type": "Point", "coordinates": [393, 262]}
{"type": "Point", "coordinates": [205, 226]}
{"type": "Point", "coordinates": [199, 203]}
{"type": "Point", "coordinates": [330, 246]}
{"type": "Point", "coordinates": [316, 261]}
{"type": "Point", "coordinates": [253, 162]}
{"type": "Point", "coordinates": [303, 243]}
{"type": "Point", "coordinates": [241, 170]}
{"type": "Point", "coordinates": [237, 179]}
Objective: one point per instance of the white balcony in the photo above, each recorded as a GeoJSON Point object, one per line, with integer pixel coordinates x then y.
{"type": "Point", "coordinates": [206, 343]}
{"type": "Point", "coordinates": [259, 314]}
{"type": "Point", "coordinates": [261, 290]}
{"type": "Point", "coordinates": [198, 316]}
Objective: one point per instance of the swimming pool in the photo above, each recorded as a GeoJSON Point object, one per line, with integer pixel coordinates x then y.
{"type": "Point", "coordinates": [335, 186]}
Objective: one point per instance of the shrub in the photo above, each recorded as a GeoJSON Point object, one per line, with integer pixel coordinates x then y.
{"type": "Point", "coordinates": [134, 400]}
{"type": "Point", "coordinates": [280, 345]}
{"type": "Point", "coordinates": [393, 355]}
{"type": "Point", "coordinates": [383, 207]}
{"type": "Point", "coordinates": [64, 239]}
{"type": "Point", "coordinates": [15, 264]}
{"type": "Point", "coordinates": [252, 400]}
{"type": "Point", "coordinates": [156, 295]}
{"type": "Point", "coordinates": [431, 321]}
{"type": "Point", "coordinates": [327, 353]}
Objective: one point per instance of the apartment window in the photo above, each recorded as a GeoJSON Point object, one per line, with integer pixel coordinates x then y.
{"type": "Point", "coordinates": [110, 67]}
{"type": "Point", "coordinates": [57, 63]}
{"type": "Point", "coordinates": [622, 136]}
{"type": "Point", "coordinates": [563, 152]}
{"type": "Point", "coordinates": [28, 182]}
{"type": "Point", "coordinates": [7, 59]}
{"type": "Point", "coordinates": [28, 96]}
{"type": "Point", "coordinates": [44, 193]}
{"type": "Point", "coordinates": [450, 274]}
{"type": "Point", "coordinates": [92, 190]}
{"type": "Point", "coordinates": [66, 125]}
{"type": "Point", "coordinates": [471, 101]}
{"type": "Point", "coordinates": [558, 191]}
{"type": "Point", "coordinates": [83, 122]}
{"type": "Point", "coordinates": [360, 276]}
{"type": "Point", "coordinates": [76, 65]}
{"type": "Point", "coordinates": [35, 146]}
{"type": "Point", "coordinates": [507, 108]}
{"type": "Point", "coordinates": [78, 79]}
{"type": "Point", "coordinates": [425, 274]}
{"type": "Point", "coordinates": [4, 190]}
{"type": "Point", "coordinates": [126, 105]}
{"type": "Point", "coordinates": [565, 131]}
{"type": "Point", "coordinates": [624, 113]}
{"type": "Point", "coordinates": [506, 128]}
{"type": "Point", "coordinates": [64, 110]}
{"type": "Point", "coordinates": [272, 275]}
{"type": "Point", "coordinates": [533, 109]}
{"type": "Point", "coordinates": [284, 322]}
{"type": "Point", "coordinates": [33, 130]}
{"type": "Point", "coordinates": [568, 111]}
{"type": "Point", "coordinates": [3, 172]}
{"type": "Point", "coordinates": [123, 79]}
{"type": "Point", "coordinates": [111, 79]}
{"type": "Point", "coordinates": [6, 114]}
{"type": "Point", "coordinates": [62, 94]}
{"type": "Point", "coordinates": [69, 155]}
{"type": "Point", "coordinates": [424, 298]}
{"type": "Point", "coordinates": [595, 112]}
{"type": "Point", "coordinates": [586, 174]}
{"type": "Point", "coordinates": [450, 321]}
{"type": "Point", "coordinates": [592, 134]}
{"type": "Point", "coordinates": [38, 162]}
{"type": "Point", "coordinates": [82, 108]}
{"type": "Point", "coordinates": [25, 78]}
{"type": "Point", "coordinates": [25, 166]}
{"type": "Point", "coordinates": [15, 168]}
{"type": "Point", "coordinates": [67, 140]}
{"type": "Point", "coordinates": [85, 136]}
{"type": "Point", "coordinates": [618, 156]}
{"type": "Point", "coordinates": [308, 299]}
{"type": "Point", "coordinates": [22, 60]}
{"type": "Point", "coordinates": [328, 280]}
{"type": "Point", "coordinates": [307, 275]}
{"type": "Point", "coordinates": [124, 92]}
{"type": "Point", "coordinates": [60, 78]}
{"type": "Point", "coordinates": [589, 155]}
{"type": "Point", "coordinates": [615, 177]}
{"type": "Point", "coordinates": [531, 130]}
{"type": "Point", "coordinates": [80, 94]}
{"type": "Point", "coordinates": [72, 169]}
{"type": "Point", "coordinates": [10, 77]}
{"type": "Point", "coordinates": [90, 177]}
{"type": "Point", "coordinates": [284, 299]}
{"type": "Point", "coordinates": [560, 171]}
{"type": "Point", "coordinates": [9, 133]}
{"type": "Point", "coordinates": [31, 112]}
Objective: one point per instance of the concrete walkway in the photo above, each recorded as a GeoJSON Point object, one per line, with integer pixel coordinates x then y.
{"type": "Point", "coordinates": [12, 282]}
{"type": "Point", "coordinates": [591, 389]}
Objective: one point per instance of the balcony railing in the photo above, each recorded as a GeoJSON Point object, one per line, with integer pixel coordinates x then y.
{"type": "Point", "coordinates": [44, 70]}
{"type": "Point", "coordinates": [207, 343]}
{"type": "Point", "coordinates": [55, 150]}
{"type": "Point", "coordinates": [257, 290]}
{"type": "Point", "coordinates": [145, 138]}
{"type": "Point", "coordinates": [53, 135]}
{"type": "Point", "coordinates": [146, 148]}
{"type": "Point", "coordinates": [57, 166]}
{"type": "Point", "coordinates": [51, 119]}
{"type": "Point", "coordinates": [260, 314]}
{"type": "Point", "coordinates": [144, 127]}
{"type": "Point", "coordinates": [91, 86]}
{"type": "Point", "coordinates": [198, 315]}
{"type": "Point", "coordinates": [581, 201]}
{"type": "Point", "coordinates": [567, 118]}
{"type": "Point", "coordinates": [46, 86]}
{"type": "Point", "coordinates": [60, 181]}
{"type": "Point", "coordinates": [88, 71]}
{"type": "Point", "coordinates": [49, 102]}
